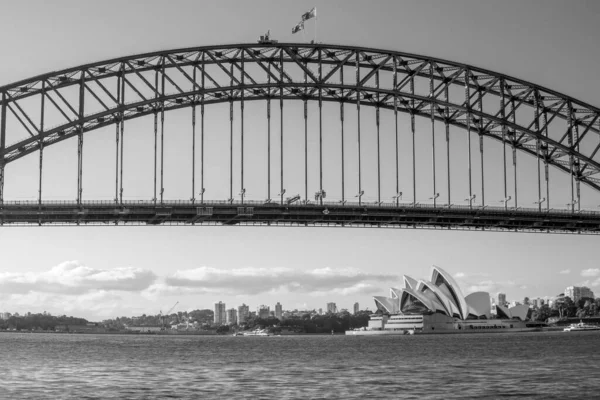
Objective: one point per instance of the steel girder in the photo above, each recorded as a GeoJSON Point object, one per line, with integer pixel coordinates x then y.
{"type": "Point", "coordinates": [557, 129]}
{"type": "Point", "coordinates": [389, 215]}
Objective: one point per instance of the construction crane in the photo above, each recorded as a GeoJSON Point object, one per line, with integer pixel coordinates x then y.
{"type": "Point", "coordinates": [162, 316]}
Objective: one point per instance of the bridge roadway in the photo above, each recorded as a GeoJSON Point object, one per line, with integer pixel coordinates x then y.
{"type": "Point", "coordinates": [390, 215]}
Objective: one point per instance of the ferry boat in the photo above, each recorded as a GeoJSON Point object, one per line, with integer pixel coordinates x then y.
{"type": "Point", "coordinates": [581, 327]}
{"type": "Point", "coordinates": [257, 332]}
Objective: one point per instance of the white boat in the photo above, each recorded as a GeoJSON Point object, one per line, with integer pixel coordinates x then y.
{"type": "Point", "coordinates": [581, 327]}
{"type": "Point", "coordinates": [257, 332]}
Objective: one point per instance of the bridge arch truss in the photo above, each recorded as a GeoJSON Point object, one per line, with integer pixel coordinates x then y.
{"type": "Point", "coordinates": [557, 130]}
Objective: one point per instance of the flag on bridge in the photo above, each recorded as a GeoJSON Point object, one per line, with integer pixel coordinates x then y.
{"type": "Point", "coordinates": [311, 14]}
{"type": "Point", "coordinates": [299, 26]}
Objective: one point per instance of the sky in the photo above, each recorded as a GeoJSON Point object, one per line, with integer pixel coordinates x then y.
{"type": "Point", "coordinates": [102, 272]}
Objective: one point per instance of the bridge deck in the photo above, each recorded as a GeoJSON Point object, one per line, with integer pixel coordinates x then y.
{"type": "Point", "coordinates": [260, 213]}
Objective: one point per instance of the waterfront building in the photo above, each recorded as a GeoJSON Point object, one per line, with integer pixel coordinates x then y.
{"type": "Point", "coordinates": [278, 311]}
{"type": "Point", "coordinates": [331, 308]}
{"type": "Point", "coordinates": [5, 315]}
{"type": "Point", "coordinates": [578, 292]}
{"type": "Point", "coordinates": [438, 306]}
{"type": "Point", "coordinates": [263, 312]}
{"type": "Point", "coordinates": [502, 299]}
{"type": "Point", "coordinates": [220, 314]}
{"type": "Point", "coordinates": [243, 313]}
{"type": "Point", "coordinates": [320, 311]}
{"type": "Point", "coordinates": [231, 316]}
{"type": "Point", "coordinates": [356, 308]}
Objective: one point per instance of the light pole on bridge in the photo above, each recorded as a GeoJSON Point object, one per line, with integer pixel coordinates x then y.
{"type": "Point", "coordinates": [319, 196]}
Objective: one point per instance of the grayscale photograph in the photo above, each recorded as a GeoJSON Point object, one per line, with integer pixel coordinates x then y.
{"type": "Point", "coordinates": [308, 199]}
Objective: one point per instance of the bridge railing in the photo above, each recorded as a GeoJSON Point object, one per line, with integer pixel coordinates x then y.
{"type": "Point", "coordinates": [327, 204]}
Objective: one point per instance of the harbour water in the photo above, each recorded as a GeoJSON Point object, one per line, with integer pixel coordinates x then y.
{"type": "Point", "coordinates": [542, 365]}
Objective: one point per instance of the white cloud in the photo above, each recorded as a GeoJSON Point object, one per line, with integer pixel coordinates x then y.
{"type": "Point", "coordinates": [73, 278]}
{"type": "Point", "coordinates": [590, 272]}
{"type": "Point", "coordinates": [565, 271]}
{"type": "Point", "coordinates": [252, 280]}
{"type": "Point", "coordinates": [95, 305]}
{"type": "Point", "coordinates": [459, 275]}
{"type": "Point", "coordinates": [489, 286]}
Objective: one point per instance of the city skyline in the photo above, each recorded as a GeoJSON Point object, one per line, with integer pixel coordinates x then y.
{"type": "Point", "coordinates": [102, 272]}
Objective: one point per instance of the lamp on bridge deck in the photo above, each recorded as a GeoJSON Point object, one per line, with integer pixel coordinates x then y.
{"type": "Point", "coordinates": [471, 199]}
{"type": "Point", "coordinates": [360, 195]}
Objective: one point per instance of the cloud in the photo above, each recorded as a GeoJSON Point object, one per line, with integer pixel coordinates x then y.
{"type": "Point", "coordinates": [565, 271]}
{"type": "Point", "coordinates": [459, 275]}
{"type": "Point", "coordinates": [250, 281]}
{"type": "Point", "coordinates": [590, 272]}
{"type": "Point", "coordinates": [490, 286]}
{"type": "Point", "coordinates": [73, 278]}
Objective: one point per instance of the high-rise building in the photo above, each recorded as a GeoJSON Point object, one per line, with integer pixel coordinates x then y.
{"type": "Point", "coordinates": [243, 313]}
{"type": "Point", "coordinates": [278, 311]}
{"type": "Point", "coordinates": [356, 308]}
{"type": "Point", "coordinates": [5, 315]}
{"type": "Point", "coordinates": [331, 308]}
{"type": "Point", "coordinates": [501, 299]}
{"type": "Point", "coordinates": [263, 312]}
{"type": "Point", "coordinates": [231, 316]}
{"type": "Point", "coordinates": [220, 313]}
{"type": "Point", "coordinates": [535, 303]}
{"type": "Point", "coordinates": [578, 292]}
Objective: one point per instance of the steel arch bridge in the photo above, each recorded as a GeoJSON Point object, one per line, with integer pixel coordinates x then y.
{"type": "Point", "coordinates": [552, 130]}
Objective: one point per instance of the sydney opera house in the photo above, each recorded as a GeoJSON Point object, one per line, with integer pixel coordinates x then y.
{"type": "Point", "coordinates": [438, 306]}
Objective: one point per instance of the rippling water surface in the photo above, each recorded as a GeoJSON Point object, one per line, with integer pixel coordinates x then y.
{"type": "Point", "coordinates": [519, 365]}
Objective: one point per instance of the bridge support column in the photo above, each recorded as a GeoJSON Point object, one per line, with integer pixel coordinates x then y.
{"type": "Point", "coordinates": [342, 136]}
{"type": "Point", "coordinates": [193, 198]}
{"type": "Point", "coordinates": [202, 133]}
{"type": "Point", "coordinates": [480, 129]}
{"type": "Point", "coordinates": [545, 155]}
{"type": "Point", "coordinates": [118, 119]}
{"type": "Point", "coordinates": [503, 113]}
{"type": "Point", "coordinates": [468, 106]}
{"type": "Point", "coordinates": [269, 136]}
{"type": "Point", "coordinates": [2, 145]}
{"type": "Point", "coordinates": [377, 122]}
{"type": "Point", "coordinates": [122, 138]}
{"type": "Point", "coordinates": [395, 83]}
{"type": "Point", "coordinates": [41, 143]}
{"type": "Point", "coordinates": [360, 191]}
{"type": "Point", "coordinates": [513, 135]}
{"type": "Point", "coordinates": [242, 189]}
{"type": "Point", "coordinates": [447, 126]}
{"type": "Point", "coordinates": [231, 134]}
{"type": "Point", "coordinates": [79, 140]}
{"type": "Point", "coordinates": [162, 133]}
{"type": "Point", "coordinates": [432, 116]}
{"type": "Point", "coordinates": [321, 193]}
{"type": "Point", "coordinates": [281, 123]}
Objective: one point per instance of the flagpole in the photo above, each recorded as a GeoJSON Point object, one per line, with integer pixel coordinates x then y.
{"type": "Point", "coordinates": [316, 18]}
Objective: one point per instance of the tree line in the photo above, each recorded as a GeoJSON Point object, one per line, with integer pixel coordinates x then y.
{"type": "Point", "coordinates": [39, 322]}
{"type": "Point", "coordinates": [565, 307]}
